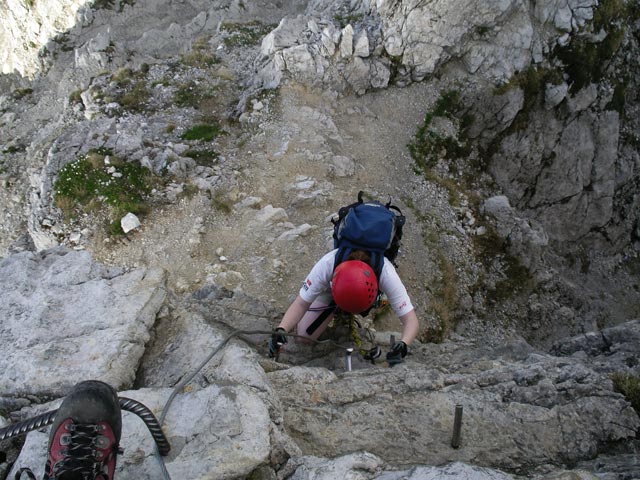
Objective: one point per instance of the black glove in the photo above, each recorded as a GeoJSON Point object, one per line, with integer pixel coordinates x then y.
{"type": "Point", "coordinates": [397, 354]}
{"type": "Point", "coordinates": [277, 341]}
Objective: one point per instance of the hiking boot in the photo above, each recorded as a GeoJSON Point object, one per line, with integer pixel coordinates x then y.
{"type": "Point", "coordinates": [85, 434]}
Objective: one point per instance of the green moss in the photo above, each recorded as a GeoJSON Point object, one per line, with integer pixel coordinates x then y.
{"type": "Point", "coordinates": [629, 386]}
{"type": "Point", "coordinates": [135, 98]}
{"type": "Point", "coordinates": [222, 203]}
{"type": "Point", "coordinates": [114, 228]}
{"type": "Point", "coordinates": [21, 93]}
{"type": "Point", "coordinates": [193, 95]}
{"type": "Point", "coordinates": [186, 96]}
{"type": "Point", "coordinates": [245, 34]}
{"type": "Point", "coordinates": [133, 92]}
{"type": "Point", "coordinates": [428, 146]}
{"type": "Point", "coordinates": [199, 59]}
{"type": "Point", "coordinates": [122, 76]}
{"type": "Point", "coordinates": [200, 56]}
{"type": "Point", "coordinates": [491, 250]}
{"type": "Point", "coordinates": [532, 81]}
{"type": "Point", "coordinates": [582, 62]}
{"type": "Point", "coordinates": [585, 61]}
{"type": "Point", "coordinates": [204, 132]}
{"type": "Point", "coordinates": [633, 10]}
{"type": "Point", "coordinates": [85, 181]}
{"type": "Point", "coordinates": [75, 97]}
{"type": "Point", "coordinates": [14, 149]}
{"type": "Point", "coordinates": [618, 99]}
{"type": "Point", "coordinates": [482, 30]}
{"type": "Point", "coordinates": [608, 12]}
{"type": "Point", "coordinates": [448, 104]}
{"type": "Point", "coordinates": [104, 151]}
{"type": "Point", "coordinates": [348, 19]}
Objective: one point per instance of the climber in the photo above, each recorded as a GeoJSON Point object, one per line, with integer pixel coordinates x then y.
{"type": "Point", "coordinates": [85, 435]}
{"type": "Point", "coordinates": [353, 277]}
{"type": "Point", "coordinates": [351, 287]}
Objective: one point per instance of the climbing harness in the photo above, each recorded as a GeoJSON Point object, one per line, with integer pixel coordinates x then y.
{"type": "Point", "coordinates": [371, 354]}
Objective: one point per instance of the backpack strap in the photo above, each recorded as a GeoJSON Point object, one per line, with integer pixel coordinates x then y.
{"type": "Point", "coordinates": [377, 259]}
{"type": "Point", "coordinates": [341, 256]}
{"type": "Point", "coordinates": [377, 262]}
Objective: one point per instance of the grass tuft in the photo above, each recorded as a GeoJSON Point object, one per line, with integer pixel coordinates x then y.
{"type": "Point", "coordinates": [87, 183]}
{"type": "Point", "coordinates": [244, 34]}
{"type": "Point", "coordinates": [629, 386]}
{"type": "Point", "coordinates": [204, 132]}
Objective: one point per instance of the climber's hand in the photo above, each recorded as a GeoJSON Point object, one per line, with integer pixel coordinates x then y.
{"type": "Point", "coordinates": [278, 339]}
{"type": "Point", "coordinates": [397, 354]}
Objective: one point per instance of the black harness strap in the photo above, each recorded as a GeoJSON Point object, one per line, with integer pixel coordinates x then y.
{"type": "Point", "coordinates": [321, 318]}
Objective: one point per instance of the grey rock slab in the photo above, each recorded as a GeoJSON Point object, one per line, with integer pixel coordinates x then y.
{"type": "Point", "coordinates": [219, 432]}
{"type": "Point", "coordinates": [66, 319]}
{"type": "Point", "coordinates": [611, 350]}
{"type": "Point", "coordinates": [366, 466]}
{"type": "Point", "coordinates": [185, 345]}
{"type": "Point", "coordinates": [457, 470]}
{"type": "Point", "coordinates": [540, 411]}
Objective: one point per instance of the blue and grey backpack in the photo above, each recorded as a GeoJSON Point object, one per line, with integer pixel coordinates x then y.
{"type": "Point", "coordinates": [373, 227]}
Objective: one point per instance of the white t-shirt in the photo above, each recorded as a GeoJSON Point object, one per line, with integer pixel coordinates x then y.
{"type": "Point", "coordinates": [318, 283]}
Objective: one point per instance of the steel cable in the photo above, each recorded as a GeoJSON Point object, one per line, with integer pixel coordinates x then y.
{"type": "Point", "coordinates": [127, 404]}
{"type": "Point", "coordinates": [154, 425]}
{"type": "Point", "coordinates": [28, 425]}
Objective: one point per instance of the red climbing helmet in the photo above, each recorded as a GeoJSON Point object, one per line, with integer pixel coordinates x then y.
{"type": "Point", "coordinates": [354, 286]}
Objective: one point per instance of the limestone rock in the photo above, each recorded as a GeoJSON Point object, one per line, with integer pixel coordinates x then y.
{"type": "Point", "coordinates": [525, 237]}
{"type": "Point", "coordinates": [129, 222]}
{"type": "Point", "coordinates": [342, 166]}
{"type": "Point", "coordinates": [554, 94]}
{"type": "Point", "coordinates": [612, 350]}
{"type": "Point", "coordinates": [568, 172]}
{"type": "Point", "coordinates": [29, 26]}
{"type": "Point", "coordinates": [230, 422]}
{"type": "Point", "coordinates": [493, 39]}
{"type": "Point", "coordinates": [546, 395]}
{"type": "Point", "coordinates": [369, 467]}
{"type": "Point", "coordinates": [67, 318]}
{"type": "Point", "coordinates": [269, 215]}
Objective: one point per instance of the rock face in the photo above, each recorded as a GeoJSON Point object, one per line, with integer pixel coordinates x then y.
{"type": "Point", "coordinates": [494, 40]}
{"type": "Point", "coordinates": [239, 415]}
{"type": "Point", "coordinates": [554, 167]}
{"type": "Point", "coordinates": [535, 410]}
{"type": "Point", "coordinates": [230, 424]}
{"type": "Point", "coordinates": [59, 308]}
{"type": "Point", "coordinates": [27, 26]}
{"type": "Point", "coordinates": [612, 350]}
{"type": "Point", "coordinates": [566, 177]}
